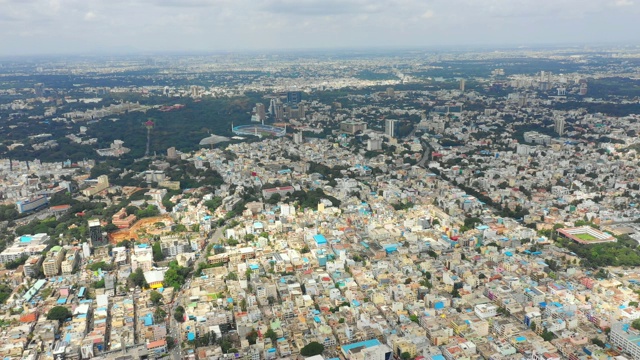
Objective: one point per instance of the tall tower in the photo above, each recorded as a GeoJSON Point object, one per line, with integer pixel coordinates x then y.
{"type": "Point", "coordinates": [462, 84]}
{"type": "Point", "coordinates": [390, 127]}
{"type": "Point", "coordinates": [38, 89]}
{"type": "Point", "coordinates": [260, 112]}
{"type": "Point", "coordinates": [95, 232]}
{"type": "Point", "coordinates": [279, 111]}
{"type": "Point", "coordinates": [559, 125]}
{"type": "Point", "coordinates": [583, 87]}
{"type": "Point", "coordinates": [294, 97]}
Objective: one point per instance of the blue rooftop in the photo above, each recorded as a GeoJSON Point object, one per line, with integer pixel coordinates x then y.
{"type": "Point", "coordinates": [320, 239]}
{"type": "Point", "coordinates": [365, 344]}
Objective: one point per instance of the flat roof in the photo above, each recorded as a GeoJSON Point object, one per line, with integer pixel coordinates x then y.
{"type": "Point", "coordinates": [365, 344]}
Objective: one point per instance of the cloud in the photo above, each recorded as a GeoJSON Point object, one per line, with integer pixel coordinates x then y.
{"type": "Point", "coordinates": [89, 16]}
{"type": "Point", "coordinates": [275, 24]}
{"type": "Point", "coordinates": [322, 7]}
{"type": "Point", "coordinates": [427, 14]}
{"type": "Point", "coordinates": [623, 2]}
{"type": "Point", "coordinates": [186, 3]}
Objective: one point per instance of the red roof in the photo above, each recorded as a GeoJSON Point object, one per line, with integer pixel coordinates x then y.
{"type": "Point", "coordinates": [156, 344]}
{"type": "Point", "coordinates": [59, 207]}
{"type": "Point", "coordinates": [29, 317]}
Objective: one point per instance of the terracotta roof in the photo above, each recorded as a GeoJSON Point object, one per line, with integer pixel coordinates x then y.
{"type": "Point", "coordinates": [157, 343]}
{"type": "Point", "coordinates": [29, 317]}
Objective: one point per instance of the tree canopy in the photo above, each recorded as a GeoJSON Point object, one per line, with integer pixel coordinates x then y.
{"type": "Point", "coordinates": [59, 313]}
{"type": "Point", "coordinates": [312, 349]}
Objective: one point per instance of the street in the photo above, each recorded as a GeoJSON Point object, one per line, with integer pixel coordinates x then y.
{"type": "Point", "coordinates": [174, 329]}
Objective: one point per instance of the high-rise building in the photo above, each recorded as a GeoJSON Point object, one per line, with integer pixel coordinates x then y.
{"type": "Point", "coordinates": [462, 84]}
{"type": "Point", "coordinates": [172, 153]}
{"type": "Point", "coordinates": [95, 233]}
{"type": "Point", "coordinates": [297, 138]}
{"type": "Point", "coordinates": [38, 89]}
{"type": "Point", "coordinates": [279, 110]}
{"type": "Point", "coordinates": [260, 112]}
{"type": "Point", "coordinates": [294, 97]}
{"type": "Point", "coordinates": [559, 125]}
{"type": "Point", "coordinates": [390, 127]}
{"type": "Point", "coordinates": [374, 144]}
{"type": "Point", "coordinates": [390, 92]}
{"type": "Point", "coordinates": [272, 106]}
{"type": "Point", "coordinates": [583, 87]}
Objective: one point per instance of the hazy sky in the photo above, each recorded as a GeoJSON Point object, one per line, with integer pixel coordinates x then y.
{"type": "Point", "coordinates": [72, 26]}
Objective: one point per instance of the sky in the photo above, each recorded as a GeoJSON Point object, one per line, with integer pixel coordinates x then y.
{"type": "Point", "coordinates": [32, 27]}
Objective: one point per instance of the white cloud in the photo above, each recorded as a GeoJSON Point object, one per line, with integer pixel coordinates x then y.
{"type": "Point", "coordinates": [427, 14]}
{"type": "Point", "coordinates": [258, 24]}
{"type": "Point", "coordinates": [623, 3]}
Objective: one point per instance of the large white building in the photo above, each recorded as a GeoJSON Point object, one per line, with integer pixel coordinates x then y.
{"type": "Point", "coordinates": [625, 338]}
{"type": "Point", "coordinates": [142, 258]}
{"type": "Point", "coordinates": [390, 127]}
{"type": "Point", "coordinates": [25, 245]}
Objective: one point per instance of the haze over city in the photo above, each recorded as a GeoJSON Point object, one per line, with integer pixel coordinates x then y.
{"type": "Point", "coordinates": [29, 27]}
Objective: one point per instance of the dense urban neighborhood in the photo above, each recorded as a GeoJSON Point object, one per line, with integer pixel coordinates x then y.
{"type": "Point", "coordinates": [409, 205]}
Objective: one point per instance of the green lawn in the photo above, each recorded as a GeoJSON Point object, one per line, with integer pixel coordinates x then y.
{"type": "Point", "coordinates": [586, 237]}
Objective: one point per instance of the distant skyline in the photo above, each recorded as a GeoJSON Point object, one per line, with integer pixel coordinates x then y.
{"type": "Point", "coordinates": [34, 27]}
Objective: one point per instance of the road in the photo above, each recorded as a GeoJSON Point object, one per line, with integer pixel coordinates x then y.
{"type": "Point", "coordinates": [175, 330]}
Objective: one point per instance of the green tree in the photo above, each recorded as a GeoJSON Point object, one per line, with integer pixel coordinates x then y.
{"type": "Point", "coordinates": [59, 313]}
{"type": "Point", "coordinates": [110, 227]}
{"type": "Point", "coordinates": [5, 293]}
{"type": "Point", "coordinates": [252, 336]}
{"type": "Point", "coordinates": [405, 356]}
{"type": "Point", "coordinates": [12, 265]}
{"type": "Point", "coordinates": [178, 314]}
{"type": "Point", "coordinates": [155, 297]}
{"type": "Point", "coordinates": [547, 335]}
{"type": "Point", "coordinates": [312, 349]}
{"type": "Point", "coordinates": [597, 342]}
{"type": "Point", "coordinates": [175, 276]}
{"type": "Point", "coordinates": [137, 278]}
{"type": "Point", "coordinates": [271, 335]}
{"type": "Point", "coordinates": [232, 276]}
{"type": "Point", "coordinates": [159, 315]}
{"type": "Point", "coordinates": [157, 252]}
{"type": "Point", "coordinates": [171, 342]}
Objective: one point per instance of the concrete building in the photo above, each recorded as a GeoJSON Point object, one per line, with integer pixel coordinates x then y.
{"type": "Point", "coordinates": [102, 184]}
{"type": "Point", "coordinates": [626, 338]}
{"type": "Point", "coordinates": [71, 261]}
{"type": "Point", "coordinates": [33, 265]}
{"type": "Point", "coordinates": [352, 127]}
{"type": "Point", "coordinates": [53, 261]}
{"type": "Point", "coordinates": [390, 127]}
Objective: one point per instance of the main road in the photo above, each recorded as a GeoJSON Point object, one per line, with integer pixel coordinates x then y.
{"type": "Point", "coordinates": [175, 330]}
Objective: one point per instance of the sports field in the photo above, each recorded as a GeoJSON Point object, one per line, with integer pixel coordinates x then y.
{"type": "Point", "coordinates": [586, 237]}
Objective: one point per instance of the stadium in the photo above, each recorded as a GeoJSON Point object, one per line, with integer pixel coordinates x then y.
{"type": "Point", "coordinates": [586, 235]}
{"type": "Point", "coordinates": [259, 130]}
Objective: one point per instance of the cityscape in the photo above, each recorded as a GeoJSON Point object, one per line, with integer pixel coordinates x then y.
{"type": "Point", "coordinates": [392, 202]}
